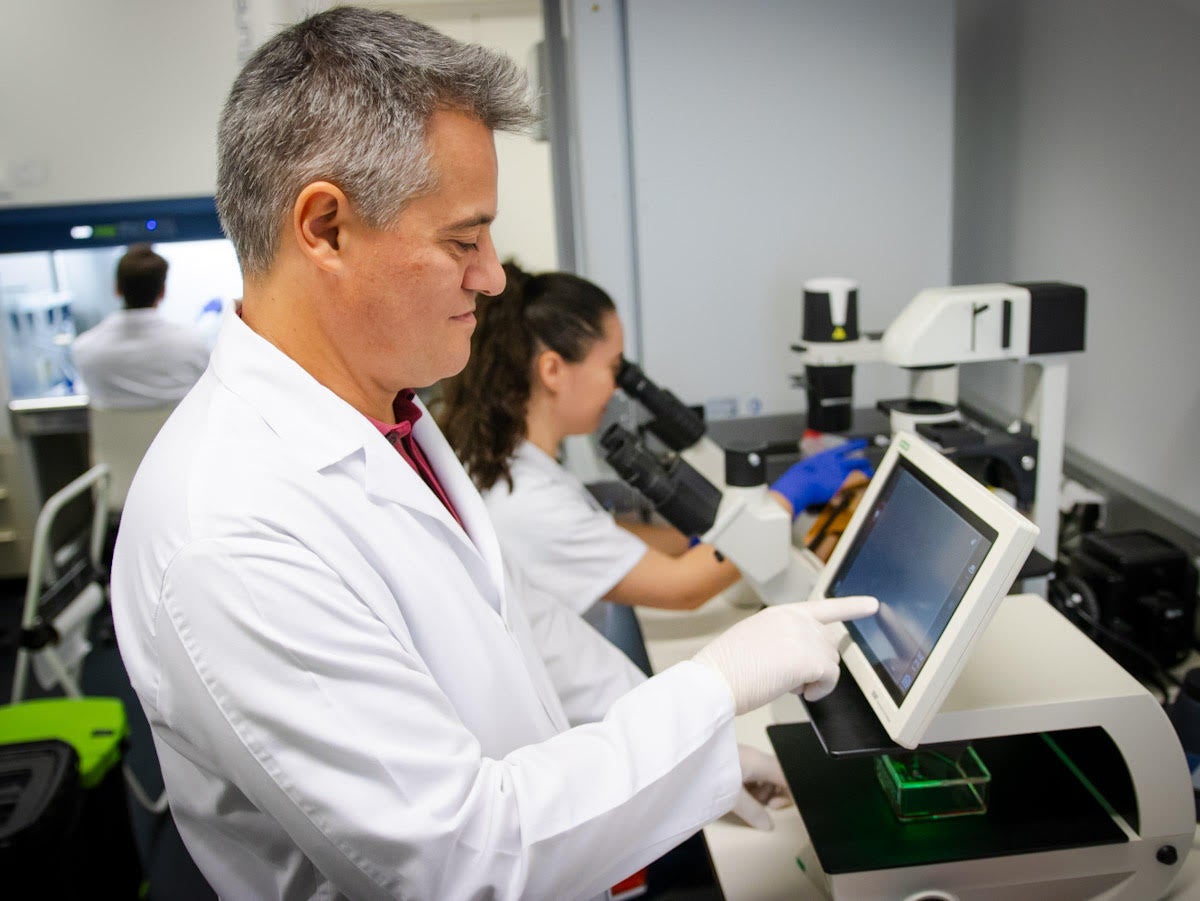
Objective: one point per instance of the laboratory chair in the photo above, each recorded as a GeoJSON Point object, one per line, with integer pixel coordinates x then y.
{"type": "Point", "coordinates": [63, 593]}
{"type": "Point", "coordinates": [119, 440]}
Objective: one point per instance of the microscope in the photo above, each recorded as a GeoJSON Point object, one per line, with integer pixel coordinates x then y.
{"type": "Point", "coordinates": [717, 494]}
{"type": "Point", "coordinates": [720, 494]}
{"type": "Point", "coordinates": [1034, 324]}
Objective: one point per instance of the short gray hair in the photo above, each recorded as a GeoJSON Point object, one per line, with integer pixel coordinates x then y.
{"type": "Point", "coordinates": [345, 97]}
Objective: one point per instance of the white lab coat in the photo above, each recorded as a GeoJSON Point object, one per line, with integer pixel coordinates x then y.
{"type": "Point", "coordinates": [559, 536]}
{"type": "Point", "coordinates": [347, 696]}
{"type": "Point", "coordinates": [136, 359]}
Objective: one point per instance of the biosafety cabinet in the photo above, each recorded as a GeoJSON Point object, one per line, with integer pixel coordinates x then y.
{"type": "Point", "coordinates": [57, 279]}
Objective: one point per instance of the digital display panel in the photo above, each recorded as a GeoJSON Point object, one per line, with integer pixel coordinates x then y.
{"type": "Point", "coordinates": [917, 552]}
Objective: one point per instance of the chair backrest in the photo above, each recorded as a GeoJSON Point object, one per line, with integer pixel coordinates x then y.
{"type": "Point", "coordinates": [119, 439]}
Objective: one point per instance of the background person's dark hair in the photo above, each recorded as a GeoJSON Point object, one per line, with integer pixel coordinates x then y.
{"type": "Point", "coordinates": [482, 409]}
{"type": "Point", "coordinates": [141, 277]}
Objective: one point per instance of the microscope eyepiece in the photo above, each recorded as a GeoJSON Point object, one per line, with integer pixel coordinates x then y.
{"type": "Point", "coordinates": [684, 497]}
{"type": "Point", "coordinates": [630, 378]}
{"type": "Point", "coordinates": [636, 465]}
{"type": "Point", "coordinates": [675, 424]}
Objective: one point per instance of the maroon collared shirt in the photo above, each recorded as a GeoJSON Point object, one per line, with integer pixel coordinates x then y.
{"type": "Point", "coordinates": [399, 433]}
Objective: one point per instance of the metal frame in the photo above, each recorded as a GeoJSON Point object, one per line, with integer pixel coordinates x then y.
{"type": "Point", "coordinates": [91, 598]}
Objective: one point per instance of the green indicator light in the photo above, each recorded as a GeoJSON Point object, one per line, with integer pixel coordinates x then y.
{"type": "Point", "coordinates": [105, 231]}
{"type": "Point", "coordinates": [800, 864]}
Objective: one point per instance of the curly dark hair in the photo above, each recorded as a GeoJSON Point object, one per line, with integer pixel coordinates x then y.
{"type": "Point", "coordinates": [482, 409]}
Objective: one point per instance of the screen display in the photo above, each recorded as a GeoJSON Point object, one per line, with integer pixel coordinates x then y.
{"type": "Point", "coordinates": [917, 552]}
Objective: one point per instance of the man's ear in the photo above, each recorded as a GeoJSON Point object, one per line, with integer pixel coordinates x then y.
{"type": "Point", "coordinates": [319, 216]}
{"type": "Point", "coordinates": [549, 367]}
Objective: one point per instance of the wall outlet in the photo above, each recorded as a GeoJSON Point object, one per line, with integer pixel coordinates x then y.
{"type": "Point", "coordinates": [721, 408]}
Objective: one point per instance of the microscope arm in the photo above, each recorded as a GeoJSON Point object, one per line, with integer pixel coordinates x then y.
{"type": "Point", "coordinates": [707, 458]}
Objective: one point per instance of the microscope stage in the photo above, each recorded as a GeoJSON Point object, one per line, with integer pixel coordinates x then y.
{"type": "Point", "coordinates": [1037, 803]}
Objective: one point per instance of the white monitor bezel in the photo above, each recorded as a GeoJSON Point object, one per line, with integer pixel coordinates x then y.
{"type": "Point", "coordinates": [906, 723]}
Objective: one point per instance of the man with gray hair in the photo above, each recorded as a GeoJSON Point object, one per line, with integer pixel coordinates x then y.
{"type": "Point", "coordinates": [349, 695]}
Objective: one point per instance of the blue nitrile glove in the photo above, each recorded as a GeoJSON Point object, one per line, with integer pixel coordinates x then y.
{"type": "Point", "coordinates": [814, 479]}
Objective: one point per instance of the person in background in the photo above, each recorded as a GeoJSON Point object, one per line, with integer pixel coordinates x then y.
{"type": "Point", "coordinates": [544, 361]}
{"type": "Point", "coordinates": [350, 693]}
{"type": "Point", "coordinates": [135, 359]}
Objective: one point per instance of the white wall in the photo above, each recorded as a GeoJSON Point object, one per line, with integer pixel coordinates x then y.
{"type": "Point", "coordinates": [768, 143]}
{"type": "Point", "coordinates": [119, 99]}
{"type": "Point", "coordinates": [525, 227]}
{"type": "Point", "coordinates": [111, 99]}
{"type": "Point", "coordinates": [1078, 135]}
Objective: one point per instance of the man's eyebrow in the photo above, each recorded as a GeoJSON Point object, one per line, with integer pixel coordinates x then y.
{"type": "Point", "coordinates": [471, 222]}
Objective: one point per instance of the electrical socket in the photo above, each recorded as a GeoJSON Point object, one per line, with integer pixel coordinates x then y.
{"type": "Point", "coordinates": [720, 408]}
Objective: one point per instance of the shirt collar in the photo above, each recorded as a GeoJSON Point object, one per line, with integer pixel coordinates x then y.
{"type": "Point", "coordinates": [406, 413]}
{"type": "Point", "coordinates": [138, 313]}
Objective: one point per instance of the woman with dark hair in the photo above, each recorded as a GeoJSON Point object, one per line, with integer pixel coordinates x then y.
{"type": "Point", "coordinates": [544, 359]}
{"type": "Point", "coordinates": [543, 365]}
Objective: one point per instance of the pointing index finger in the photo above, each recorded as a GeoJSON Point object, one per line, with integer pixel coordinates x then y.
{"type": "Point", "coordinates": [836, 610]}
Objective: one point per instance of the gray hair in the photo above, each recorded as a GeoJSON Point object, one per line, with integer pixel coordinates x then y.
{"type": "Point", "coordinates": [345, 97]}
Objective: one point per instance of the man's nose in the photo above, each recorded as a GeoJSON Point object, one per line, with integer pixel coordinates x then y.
{"type": "Point", "coordinates": [485, 274]}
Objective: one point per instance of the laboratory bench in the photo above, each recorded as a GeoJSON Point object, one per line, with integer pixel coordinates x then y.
{"type": "Point", "coordinates": [754, 865]}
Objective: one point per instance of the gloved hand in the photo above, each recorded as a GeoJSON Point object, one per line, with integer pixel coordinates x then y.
{"type": "Point", "coordinates": [781, 649]}
{"type": "Point", "coordinates": [762, 784]}
{"type": "Point", "coordinates": [814, 479]}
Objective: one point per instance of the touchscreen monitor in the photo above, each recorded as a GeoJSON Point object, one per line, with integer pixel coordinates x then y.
{"type": "Point", "coordinates": [939, 551]}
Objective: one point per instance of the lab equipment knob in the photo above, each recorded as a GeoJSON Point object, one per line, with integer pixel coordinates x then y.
{"type": "Point", "coordinates": [746, 467]}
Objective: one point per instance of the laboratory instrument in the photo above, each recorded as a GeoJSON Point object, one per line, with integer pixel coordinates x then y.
{"type": "Point", "coordinates": [966, 758]}
{"type": "Point", "coordinates": [740, 520]}
{"type": "Point", "coordinates": [1133, 592]}
{"type": "Point", "coordinates": [941, 329]}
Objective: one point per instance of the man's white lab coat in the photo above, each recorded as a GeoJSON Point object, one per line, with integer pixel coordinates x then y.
{"type": "Point", "coordinates": [348, 695]}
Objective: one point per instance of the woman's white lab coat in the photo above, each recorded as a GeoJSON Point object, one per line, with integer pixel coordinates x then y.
{"type": "Point", "coordinates": [558, 535]}
{"type": "Point", "coordinates": [349, 698]}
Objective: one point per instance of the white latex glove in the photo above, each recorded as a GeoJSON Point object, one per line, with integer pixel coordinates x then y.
{"type": "Point", "coordinates": [762, 784]}
{"type": "Point", "coordinates": [781, 649]}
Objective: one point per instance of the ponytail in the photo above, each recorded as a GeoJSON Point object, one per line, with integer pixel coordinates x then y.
{"type": "Point", "coordinates": [482, 409]}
